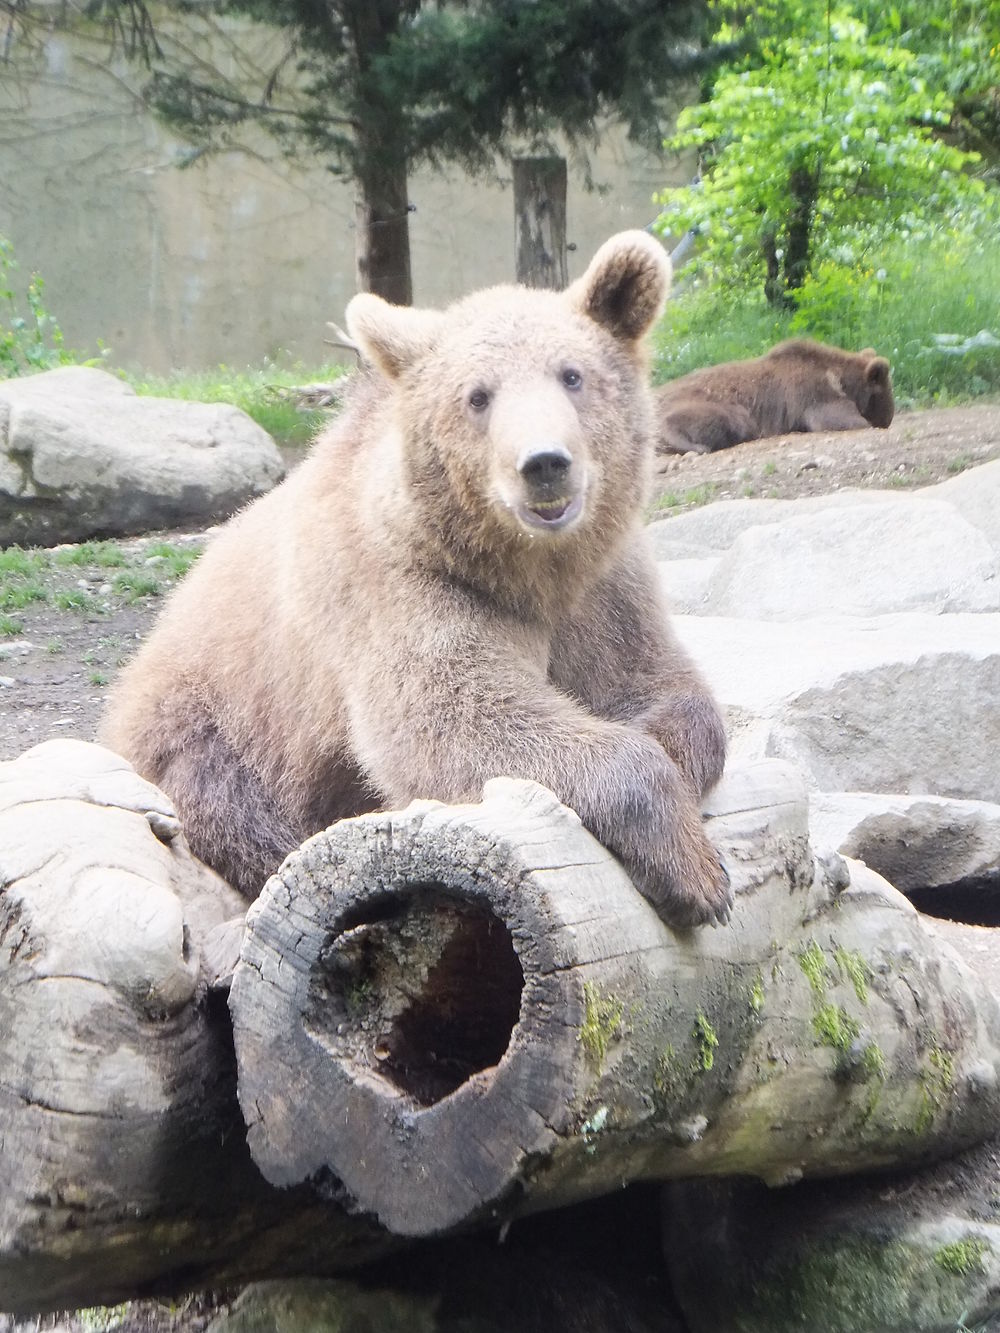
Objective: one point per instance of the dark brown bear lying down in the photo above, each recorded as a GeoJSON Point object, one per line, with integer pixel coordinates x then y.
{"type": "Point", "coordinates": [798, 385]}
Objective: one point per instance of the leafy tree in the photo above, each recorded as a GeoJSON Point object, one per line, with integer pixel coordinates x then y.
{"type": "Point", "coordinates": [376, 86]}
{"type": "Point", "coordinates": [817, 153]}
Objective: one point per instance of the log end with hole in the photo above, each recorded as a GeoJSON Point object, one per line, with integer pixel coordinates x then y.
{"type": "Point", "coordinates": [406, 1020]}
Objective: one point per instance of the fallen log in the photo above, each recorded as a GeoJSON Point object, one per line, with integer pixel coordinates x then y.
{"type": "Point", "coordinates": [445, 1016]}
{"type": "Point", "coordinates": [458, 1014]}
{"type": "Point", "coordinates": [123, 1162]}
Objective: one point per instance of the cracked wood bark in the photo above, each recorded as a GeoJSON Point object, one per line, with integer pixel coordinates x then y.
{"type": "Point", "coordinates": [123, 1162]}
{"type": "Point", "coordinates": [460, 1013]}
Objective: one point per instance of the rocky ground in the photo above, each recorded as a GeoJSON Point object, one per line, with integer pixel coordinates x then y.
{"type": "Point", "coordinates": [69, 618]}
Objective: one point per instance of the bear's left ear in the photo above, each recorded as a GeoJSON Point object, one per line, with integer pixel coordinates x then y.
{"type": "Point", "coordinates": [625, 286]}
{"type": "Point", "coordinates": [391, 337]}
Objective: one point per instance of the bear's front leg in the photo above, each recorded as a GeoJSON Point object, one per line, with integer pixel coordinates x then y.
{"type": "Point", "coordinates": [617, 654]}
{"type": "Point", "coordinates": [439, 717]}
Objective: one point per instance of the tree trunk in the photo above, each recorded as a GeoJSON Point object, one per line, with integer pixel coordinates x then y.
{"type": "Point", "coordinates": [382, 223]}
{"type": "Point", "coordinates": [464, 1012]}
{"type": "Point", "coordinates": [540, 221]}
{"type": "Point", "coordinates": [804, 186]}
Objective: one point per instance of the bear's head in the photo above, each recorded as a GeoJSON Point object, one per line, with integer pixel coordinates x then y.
{"type": "Point", "coordinates": [872, 388]}
{"type": "Point", "coordinates": [524, 414]}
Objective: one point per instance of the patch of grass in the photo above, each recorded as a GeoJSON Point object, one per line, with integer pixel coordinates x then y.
{"type": "Point", "coordinates": [106, 555]}
{"type": "Point", "coordinates": [75, 599]}
{"type": "Point", "coordinates": [133, 585]}
{"type": "Point", "coordinates": [255, 389]}
{"type": "Point", "coordinates": [9, 627]}
{"type": "Point", "coordinates": [960, 462]}
{"type": "Point", "coordinates": [98, 678]}
{"type": "Point", "coordinates": [16, 596]}
{"type": "Point", "coordinates": [26, 564]}
{"type": "Point", "coordinates": [177, 560]}
{"type": "Point", "coordinates": [675, 501]}
{"type": "Point", "coordinates": [770, 468]}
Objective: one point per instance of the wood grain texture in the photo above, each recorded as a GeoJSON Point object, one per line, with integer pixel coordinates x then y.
{"type": "Point", "coordinates": [825, 1031]}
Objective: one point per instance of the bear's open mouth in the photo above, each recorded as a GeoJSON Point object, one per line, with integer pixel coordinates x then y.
{"type": "Point", "coordinates": [552, 514]}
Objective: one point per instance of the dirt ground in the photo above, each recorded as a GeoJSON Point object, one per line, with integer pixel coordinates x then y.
{"type": "Point", "coordinates": [59, 652]}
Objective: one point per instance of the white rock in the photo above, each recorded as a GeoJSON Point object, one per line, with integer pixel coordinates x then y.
{"type": "Point", "coordinates": [82, 454]}
{"type": "Point", "coordinates": [686, 583]}
{"type": "Point", "coordinates": [899, 703]}
{"type": "Point", "coordinates": [913, 841]}
{"type": "Point", "coordinates": [976, 496]}
{"type": "Point", "coordinates": [867, 559]}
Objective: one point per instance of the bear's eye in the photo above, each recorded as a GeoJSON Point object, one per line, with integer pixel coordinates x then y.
{"type": "Point", "coordinates": [572, 379]}
{"type": "Point", "coordinates": [479, 400]}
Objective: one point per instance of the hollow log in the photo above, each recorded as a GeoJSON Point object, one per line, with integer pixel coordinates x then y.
{"type": "Point", "coordinates": [457, 1014]}
{"type": "Point", "coordinates": [123, 1162]}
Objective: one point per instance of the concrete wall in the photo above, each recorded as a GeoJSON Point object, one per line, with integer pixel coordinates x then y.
{"type": "Point", "coordinates": [236, 257]}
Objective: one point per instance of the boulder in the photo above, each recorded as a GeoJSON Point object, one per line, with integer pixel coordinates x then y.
{"type": "Point", "coordinates": [896, 703]}
{"type": "Point", "coordinates": [686, 583]}
{"type": "Point", "coordinates": [915, 842]}
{"type": "Point", "coordinates": [868, 559]}
{"type": "Point", "coordinates": [713, 528]}
{"type": "Point", "coordinates": [82, 455]}
{"type": "Point", "coordinates": [974, 494]}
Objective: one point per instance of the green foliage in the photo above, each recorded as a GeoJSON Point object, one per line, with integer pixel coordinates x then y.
{"type": "Point", "coordinates": [30, 338]}
{"type": "Point", "coordinates": [823, 152]}
{"type": "Point", "coordinates": [962, 1257]}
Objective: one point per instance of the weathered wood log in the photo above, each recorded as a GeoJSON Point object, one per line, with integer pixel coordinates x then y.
{"type": "Point", "coordinates": [460, 1013]}
{"type": "Point", "coordinates": [123, 1161]}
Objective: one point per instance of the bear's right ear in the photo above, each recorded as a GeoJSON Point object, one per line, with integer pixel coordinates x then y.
{"type": "Point", "coordinates": [391, 337]}
{"type": "Point", "coordinates": [625, 285]}
{"type": "Point", "coordinates": [877, 369]}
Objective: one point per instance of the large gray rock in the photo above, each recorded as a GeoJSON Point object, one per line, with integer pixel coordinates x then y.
{"type": "Point", "coordinates": [81, 455]}
{"type": "Point", "coordinates": [900, 703]}
{"type": "Point", "coordinates": [974, 494]}
{"type": "Point", "coordinates": [915, 842]}
{"type": "Point", "coordinates": [713, 528]}
{"type": "Point", "coordinates": [863, 560]}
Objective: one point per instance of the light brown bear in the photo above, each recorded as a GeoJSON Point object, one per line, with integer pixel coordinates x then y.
{"type": "Point", "coordinates": [454, 585]}
{"type": "Point", "coordinates": [798, 385]}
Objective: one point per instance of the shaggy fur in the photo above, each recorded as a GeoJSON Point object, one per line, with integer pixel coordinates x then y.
{"type": "Point", "coordinates": [454, 585]}
{"type": "Point", "coordinates": [797, 386]}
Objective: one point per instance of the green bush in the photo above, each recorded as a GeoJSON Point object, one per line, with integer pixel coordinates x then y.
{"type": "Point", "coordinates": [30, 338]}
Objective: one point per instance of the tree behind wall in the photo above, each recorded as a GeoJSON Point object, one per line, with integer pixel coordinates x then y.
{"type": "Point", "coordinates": [824, 149]}
{"type": "Point", "coordinates": [373, 87]}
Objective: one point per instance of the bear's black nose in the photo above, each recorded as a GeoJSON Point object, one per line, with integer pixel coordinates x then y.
{"type": "Point", "coordinates": [544, 467]}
